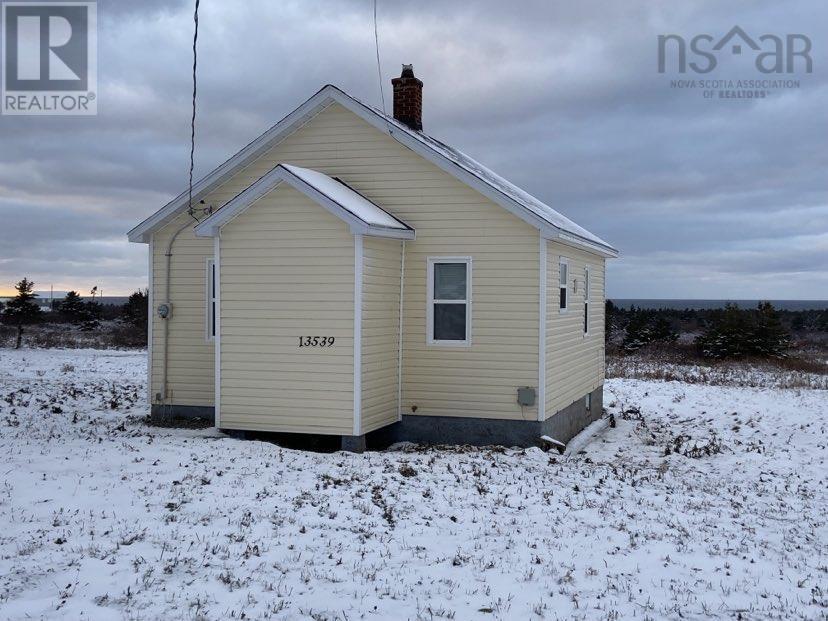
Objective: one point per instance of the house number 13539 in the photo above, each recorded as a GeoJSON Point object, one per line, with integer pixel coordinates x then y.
{"type": "Point", "coordinates": [316, 341]}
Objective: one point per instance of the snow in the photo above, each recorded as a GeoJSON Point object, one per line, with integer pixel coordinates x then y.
{"type": "Point", "coordinates": [104, 517]}
{"type": "Point", "coordinates": [347, 198]}
{"type": "Point", "coordinates": [587, 435]}
{"type": "Point", "coordinates": [553, 441]}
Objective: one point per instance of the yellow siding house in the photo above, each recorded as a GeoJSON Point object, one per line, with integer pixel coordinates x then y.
{"type": "Point", "coordinates": [346, 274]}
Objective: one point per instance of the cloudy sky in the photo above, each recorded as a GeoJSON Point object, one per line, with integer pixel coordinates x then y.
{"type": "Point", "coordinates": [706, 198]}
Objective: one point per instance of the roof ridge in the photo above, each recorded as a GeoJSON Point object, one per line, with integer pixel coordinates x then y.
{"type": "Point", "coordinates": [455, 162]}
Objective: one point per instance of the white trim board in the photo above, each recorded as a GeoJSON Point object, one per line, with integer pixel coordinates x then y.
{"type": "Point", "coordinates": [542, 288]}
{"type": "Point", "coordinates": [217, 340]}
{"type": "Point", "coordinates": [150, 315]}
{"type": "Point", "coordinates": [551, 223]}
{"type": "Point", "coordinates": [400, 335]}
{"type": "Point", "coordinates": [358, 258]}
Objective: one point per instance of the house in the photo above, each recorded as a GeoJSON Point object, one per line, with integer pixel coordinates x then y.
{"type": "Point", "coordinates": [347, 274]}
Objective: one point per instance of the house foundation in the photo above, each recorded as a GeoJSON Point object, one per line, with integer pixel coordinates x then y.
{"type": "Point", "coordinates": [562, 426]}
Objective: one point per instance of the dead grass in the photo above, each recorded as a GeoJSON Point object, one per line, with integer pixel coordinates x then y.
{"type": "Point", "coordinates": [790, 373]}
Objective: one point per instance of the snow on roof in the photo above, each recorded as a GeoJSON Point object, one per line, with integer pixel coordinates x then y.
{"type": "Point", "coordinates": [347, 198]}
{"type": "Point", "coordinates": [332, 194]}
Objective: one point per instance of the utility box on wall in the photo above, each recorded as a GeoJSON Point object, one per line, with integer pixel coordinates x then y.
{"type": "Point", "coordinates": [526, 396]}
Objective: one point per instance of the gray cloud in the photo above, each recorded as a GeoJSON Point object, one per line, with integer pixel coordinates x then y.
{"type": "Point", "coordinates": [704, 198]}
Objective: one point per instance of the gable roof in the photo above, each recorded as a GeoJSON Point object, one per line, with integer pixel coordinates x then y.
{"type": "Point", "coordinates": [334, 195]}
{"type": "Point", "coordinates": [551, 223]}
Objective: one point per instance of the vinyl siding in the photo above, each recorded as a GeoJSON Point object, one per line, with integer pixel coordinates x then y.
{"type": "Point", "coordinates": [450, 219]}
{"type": "Point", "coordinates": [380, 331]}
{"type": "Point", "coordinates": [286, 270]}
{"type": "Point", "coordinates": [480, 380]}
{"type": "Point", "coordinates": [191, 360]}
{"type": "Point", "coordinates": [574, 362]}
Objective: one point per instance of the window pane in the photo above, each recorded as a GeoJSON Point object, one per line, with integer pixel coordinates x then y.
{"type": "Point", "coordinates": [563, 274]}
{"type": "Point", "coordinates": [586, 318]}
{"type": "Point", "coordinates": [449, 281]}
{"type": "Point", "coordinates": [212, 318]}
{"type": "Point", "coordinates": [563, 297]}
{"type": "Point", "coordinates": [449, 322]}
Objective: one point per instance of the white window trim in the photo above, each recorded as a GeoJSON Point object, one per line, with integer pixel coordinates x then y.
{"type": "Point", "coordinates": [587, 300]}
{"type": "Point", "coordinates": [211, 297]}
{"type": "Point", "coordinates": [430, 262]}
{"type": "Point", "coordinates": [565, 285]}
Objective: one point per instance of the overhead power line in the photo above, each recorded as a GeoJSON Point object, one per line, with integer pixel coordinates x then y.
{"type": "Point", "coordinates": [190, 209]}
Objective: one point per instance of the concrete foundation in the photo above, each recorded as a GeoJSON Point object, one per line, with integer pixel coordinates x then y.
{"type": "Point", "coordinates": [562, 426]}
{"type": "Point", "coordinates": [207, 412]}
{"type": "Point", "coordinates": [354, 444]}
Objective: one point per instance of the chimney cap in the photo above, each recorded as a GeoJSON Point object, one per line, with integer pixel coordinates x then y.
{"type": "Point", "coordinates": [407, 71]}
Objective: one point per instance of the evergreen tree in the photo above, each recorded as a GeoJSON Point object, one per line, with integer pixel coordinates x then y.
{"type": "Point", "coordinates": [22, 309]}
{"type": "Point", "coordinates": [90, 317]}
{"type": "Point", "coordinates": [609, 316]}
{"type": "Point", "coordinates": [662, 329]}
{"type": "Point", "coordinates": [136, 310]}
{"type": "Point", "coordinates": [71, 308]}
{"type": "Point", "coordinates": [736, 333]}
{"type": "Point", "coordinates": [770, 336]}
{"type": "Point", "coordinates": [725, 335]}
{"type": "Point", "coordinates": [822, 321]}
{"type": "Point", "coordinates": [645, 327]}
{"type": "Point", "coordinates": [637, 334]}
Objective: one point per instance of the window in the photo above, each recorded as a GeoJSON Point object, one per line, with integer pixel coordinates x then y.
{"type": "Point", "coordinates": [563, 269]}
{"type": "Point", "coordinates": [211, 299]}
{"type": "Point", "coordinates": [586, 300]}
{"type": "Point", "coordinates": [588, 401]}
{"type": "Point", "coordinates": [449, 301]}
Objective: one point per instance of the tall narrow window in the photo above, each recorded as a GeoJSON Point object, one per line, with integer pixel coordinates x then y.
{"type": "Point", "coordinates": [586, 300]}
{"type": "Point", "coordinates": [211, 300]}
{"type": "Point", "coordinates": [449, 301]}
{"type": "Point", "coordinates": [563, 269]}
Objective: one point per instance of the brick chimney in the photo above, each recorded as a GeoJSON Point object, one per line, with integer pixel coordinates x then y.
{"type": "Point", "coordinates": [408, 98]}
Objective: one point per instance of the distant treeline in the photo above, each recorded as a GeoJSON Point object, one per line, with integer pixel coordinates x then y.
{"type": "Point", "coordinates": [729, 332]}
{"type": "Point", "coordinates": [87, 314]}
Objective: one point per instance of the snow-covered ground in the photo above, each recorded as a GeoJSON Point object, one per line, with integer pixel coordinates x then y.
{"type": "Point", "coordinates": [103, 517]}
